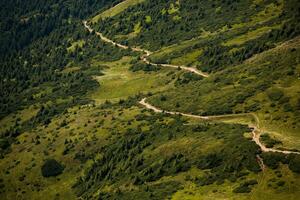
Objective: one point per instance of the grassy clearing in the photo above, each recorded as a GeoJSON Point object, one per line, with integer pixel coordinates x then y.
{"type": "Point", "coordinates": [188, 59]}
{"type": "Point", "coordinates": [116, 9]}
{"type": "Point", "coordinates": [148, 19]}
{"type": "Point", "coordinates": [137, 28]}
{"type": "Point", "coordinates": [173, 48]}
{"type": "Point", "coordinates": [74, 45]}
{"type": "Point", "coordinates": [173, 9]}
{"type": "Point", "coordinates": [119, 83]}
{"type": "Point", "coordinates": [70, 69]}
{"type": "Point", "coordinates": [249, 36]}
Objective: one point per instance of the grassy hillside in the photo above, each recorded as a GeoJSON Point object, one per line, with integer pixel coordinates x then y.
{"type": "Point", "coordinates": [267, 84]}
{"type": "Point", "coordinates": [117, 9]}
{"type": "Point", "coordinates": [72, 127]}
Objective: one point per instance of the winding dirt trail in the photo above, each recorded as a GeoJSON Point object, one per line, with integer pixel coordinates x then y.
{"type": "Point", "coordinates": [145, 52]}
{"type": "Point", "coordinates": [256, 131]}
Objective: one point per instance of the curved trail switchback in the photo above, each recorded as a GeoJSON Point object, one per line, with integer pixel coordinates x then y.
{"type": "Point", "coordinates": [145, 52]}
{"type": "Point", "coordinates": [256, 131]}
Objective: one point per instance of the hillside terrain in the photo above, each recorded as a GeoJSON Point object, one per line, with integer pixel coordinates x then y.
{"type": "Point", "coordinates": [141, 99]}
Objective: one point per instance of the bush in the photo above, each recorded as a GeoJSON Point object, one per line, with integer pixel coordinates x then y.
{"type": "Point", "coordinates": [280, 183]}
{"type": "Point", "coordinates": [294, 164]}
{"type": "Point", "coordinates": [273, 160]}
{"type": "Point", "coordinates": [51, 168]}
{"type": "Point", "coordinates": [4, 144]}
{"type": "Point", "coordinates": [188, 77]}
{"type": "Point", "coordinates": [245, 187]}
{"type": "Point", "coordinates": [268, 141]}
{"type": "Point", "coordinates": [144, 67]}
{"type": "Point", "coordinates": [275, 94]}
{"type": "Point", "coordinates": [163, 98]}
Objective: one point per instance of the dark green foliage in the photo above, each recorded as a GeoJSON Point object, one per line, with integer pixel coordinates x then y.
{"type": "Point", "coordinates": [4, 144]}
{"type": "Point", "coordinates": [197, 16]}
{"type": "Point", "coordinates": [163, 98]}
{"type": "Point", "coordinates": [245, 187]}
{"type": "Point", "coordinates": [155, 191]}
{"type": "Point", "coordinates": [26, 22]}
{"type": "Point", "coordinates": [188, 77]}
{"type": "Point", "coordinates": [268, 141]}
{"type": "Point", "coordinates": [273, 160]}
{"type": "Point", "coordinates": [124, 159]}
{"type": "Point", "coordinates": [51, 168]}
{"type": "Point", "coordinates": [210, 161]}
{"type": "Point", "coordinates": [294, 163]}
{"type": "Point", "coordinates": [275, 94]}
{"type": "Point", "coordinates": [140, 66]}
{"type": "Point", "coordinates": [280, 183]}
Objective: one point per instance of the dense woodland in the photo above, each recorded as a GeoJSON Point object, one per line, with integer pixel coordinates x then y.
{"type": "Point", "coordinates": [34, 50]}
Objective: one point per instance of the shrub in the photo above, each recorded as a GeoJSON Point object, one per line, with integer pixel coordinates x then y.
{"type": "Point", "coordinates": [275, 94]}
{"type": "Point", "coordinates": [51, 168]}
{"type": "Point", "coordinates": [272, 160]}
{"type": "Point", "coordinates": [245, 187]}
{"type": "Point", "coordinates": [294, 164]}
{"type": "Point", "coordinates": [4, 144]}
{"type": "Point", "coordinates": [163, 98]}
{"type": "Point", "coordinates": [144, 67]}
{"type": "Point", "coordinates": [268, 141]}
{"type": "Point", "coordinates": [280, 183]}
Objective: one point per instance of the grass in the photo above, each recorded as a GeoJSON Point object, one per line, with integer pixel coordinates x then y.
{"type": "Point", "coordinates": [283, 124]}
{"type": "Point", "coordinates": [27, 157]}
{"type": "Point", "coordinates": [70, 69]}
{"type": "Point", "coordinates": [148, 19]}
{"type": "Point", "coordinates": [89, 129]}
{"type": "Point", "coordinates": [173, 9]}
{"type": "Point", "coordinates": [119, 83]}
{"type": "Point", "coordinates": [137, 28]}
{"type": "Point", "coordinates": [116, 9]}
{"type": "Point", "coordinates": [74, 45]}
{"type": "Point", "coordinates": [261, 191]}
{"type": "Point", "coordinates": [188, 59]}
{"type": "Point", "coordinates": [257, 25]}
{"type": "Point", "coordinates": [251, 35]}
{"type": "Point", "coordinates": [20, 116]}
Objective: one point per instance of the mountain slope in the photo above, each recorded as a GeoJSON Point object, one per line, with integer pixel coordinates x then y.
{"type": "Point", "coordinates": [150, 100]}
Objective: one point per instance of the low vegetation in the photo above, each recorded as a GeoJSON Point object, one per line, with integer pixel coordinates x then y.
{"type": "Point", "coordinates": [51, 168]}
{"type": "Point", "coordinates": [72, 127]}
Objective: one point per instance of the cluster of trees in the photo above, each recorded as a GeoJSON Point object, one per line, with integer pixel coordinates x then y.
{"type": "Point", "coordinates": [217, 57]}
{"type": "Point", "coordinates": [188, 77]}
{"type": "Point", "coordinates": [273, 160]}
{"type": "Point", "coordinates": [124, 158]}
{"type": "Point", "coordinates": [35, 41]}
{"type": "Point", "coordinates": [195, 16]}
{"type": "Point", "coordinates": [245, 187]}
{"type": "Point", "coordinates": [35, 36]}
{"type": "Point", "coordinates": [140, 66]}
{"type": "Point", "coordinates": [25, 22]}
{"type": "Point", "coordinates": [172, 22]}
{"type": "Point", "coordinates": [268, 141]}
